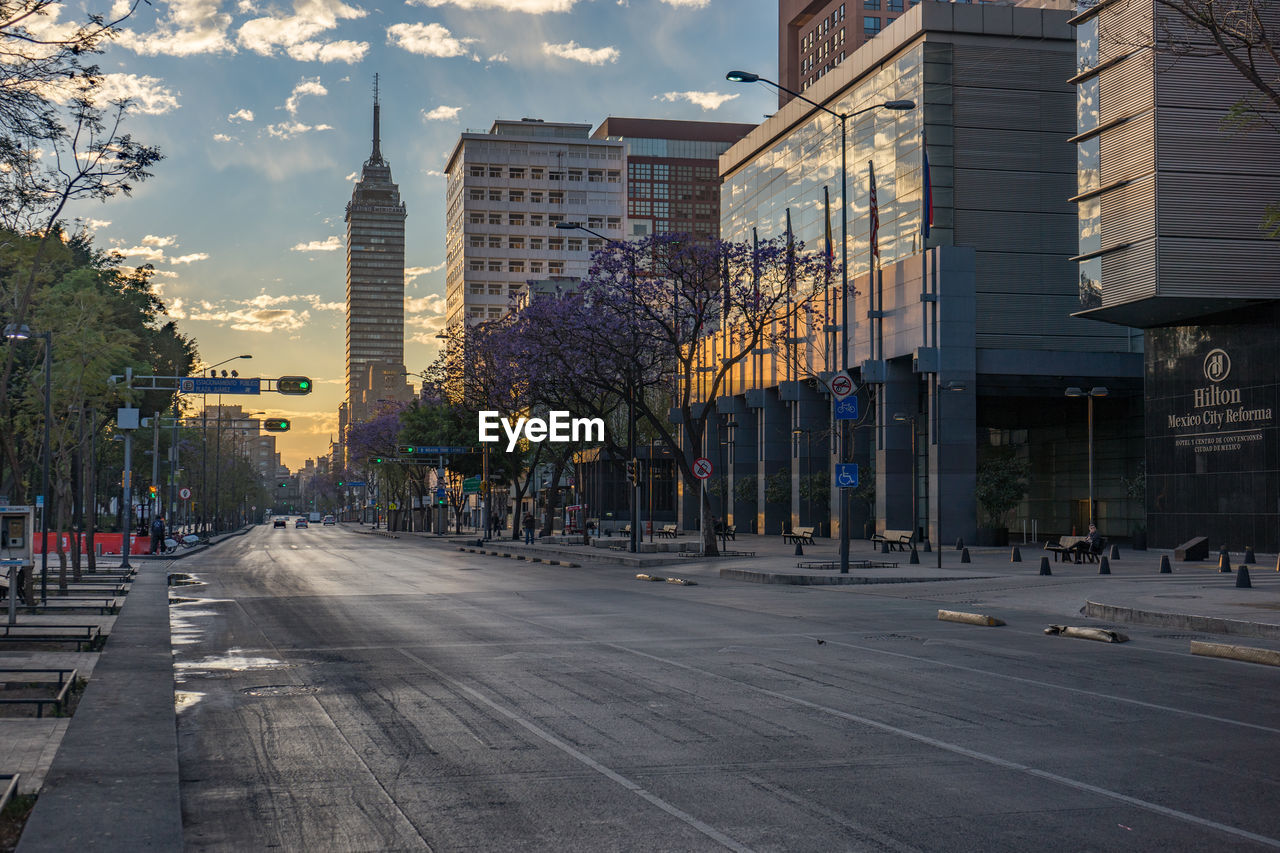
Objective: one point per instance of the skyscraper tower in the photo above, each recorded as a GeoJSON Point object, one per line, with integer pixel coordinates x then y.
{"type": "Point", "coordinates": [375, 284]}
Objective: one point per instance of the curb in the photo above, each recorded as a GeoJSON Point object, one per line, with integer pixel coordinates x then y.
{"type": "Point", "coordinates": [520, 557]}
{"type": "Point", "coordinates": [1248, 654]}
{"type": "Point", "coordinates": [969, 618]}
{"type": "Point", "coordinates": [381, 533]}
{"type": "Point", "coordinates": [823, 580]}
{"type": "Point", "coordinates": [1210, 624]}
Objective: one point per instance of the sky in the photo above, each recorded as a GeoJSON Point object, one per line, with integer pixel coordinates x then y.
{"type": "Point", "coordinates": [263, 111]}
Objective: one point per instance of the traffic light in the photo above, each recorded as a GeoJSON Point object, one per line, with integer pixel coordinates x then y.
{"type": "Point", "coordinates": [440, 501]}
{"type": "Point", "coordinates": [631, 471]}
{"type": "Point", "coordinates": [276, 424]}
{"type": "Point", "coordinates": [407, 449]}
{"type": "Point", "coordinates": [377, 460]}
{"type": "Point", "coordinates": [152, 490]}
{"type": "Point", "coordinates": [284, 485]}
{"type": "Point", "coordinates": [293, 385]}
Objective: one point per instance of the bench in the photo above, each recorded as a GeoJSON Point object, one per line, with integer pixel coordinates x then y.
{"type": "Point", "coordinates": [1077, 546]}
{"type": "Point", "coordinates": [728, 532]}
{"type": "Point", "coordinates": [897, 540]}
{"type": "Point", "coordinates": [67, 681]}
{"type": "Point", "coordinates": [799, 536]}
{"type": "Point", "coordinates": [668, 531]}
{"type": "Point", "coordinates": [27, 632]}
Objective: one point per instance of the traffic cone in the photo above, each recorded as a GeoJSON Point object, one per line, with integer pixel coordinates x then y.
{"type": "Point", "coordinates": [1165, 569]}
{"type": "Point", "coordinates": [1016, 556]}
{"type": "Point", "coordinates": [960, 544]}
{"type": "Point", "coordinates": [1242, 578]}
{"type": "Point", "coordinates": [1104, 566]}
{"type": "Point", "coordinates": [1115, 552]}
{"type": "Point", "coordinates": [1249, 556]}
{"type": "Point", "coordinates": [1224, 561]}
{"type": "Point", "coordinates": [964, 556]}
{"type": "Point", "coordinates": [1044, 566]}
{"type": "Point", "coordinates": [799, 550]}
{"type": "Point", "coordinates": [915, 557]}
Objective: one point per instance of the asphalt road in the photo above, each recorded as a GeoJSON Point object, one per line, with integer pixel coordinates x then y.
{"type": "Point", "coordinates": [349, 692]}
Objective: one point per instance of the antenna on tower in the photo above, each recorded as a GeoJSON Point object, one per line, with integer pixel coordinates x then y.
{"type": "Point", "coordinates": [376, 157]}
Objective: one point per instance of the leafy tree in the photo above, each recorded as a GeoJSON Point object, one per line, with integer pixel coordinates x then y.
{"type": "Point", "coordinates": [1002, 483]}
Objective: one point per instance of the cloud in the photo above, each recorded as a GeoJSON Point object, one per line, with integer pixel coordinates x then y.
{"type": "Point", "coordinates": [305, 86]}
{"type": "Point", "coordinates": [427, 40]}
{"type": "Point", "coordinates": [688, 4]}
{"type": "Point", "coordinates": [263, 300]}
{"type": "Point", "coordinates": [176, 309]}
{"type": "Point", "coordinates": [434, 304]}
{"type": "Point", "coordinates": [251, 319]}
{"type": "Point", "coordinates": [146, 93]}
{"type": "Point", "coordinates": [161, 242]}
{"type": "Point", "coordinates": [290, 129]}
{"type": "Point", "coordinates": [222, 137]}
{"type": "Point", "coordinates": [498, 57]}
{"type": "Point", "coordinates": [318, 305]}
{"type": "Point", "coordinates": [354, 176]}
{"type": "Point", "coordinates": [142, 254]}
{"type": "Point", "coordinates": [441, 113]}
{"type": "Point", "coordinates": [95, 224]}
{"type": "Point", "coordinates": [531, 7]}
{"type": "Point", "coordinates": [578, 53]}
{"type": "Point", "coordinates": [295, 34]}
{"type": "Point", "coordinates": [411, 273]}
{"type": "Point", "coordinates": [189, 27]}
{"type": "Point", "coordinates": [706, 100]}
{"type": "Point", "coordinates": [332, 244]}
{"type": "Point", "coordinates": [434, 173]}
{"type": "Point", "coordinates": [190, 259]}
{"type": "Point", "coordinates": [241, 115]}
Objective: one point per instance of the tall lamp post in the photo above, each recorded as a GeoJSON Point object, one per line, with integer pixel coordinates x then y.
{"type": "Point", "coordinates": [804, 469]}
{"type": "Point", "coordinates": [900, 417]}
{"type": "Point", "coordinates": [631, 395]}
{"type": "Point", "coordinates": [16, 332]}
{"type": "Point", "coordinates": [749, 77]}
{"type": "Point", "coordinates": [941, 387]}
{"type": "Point", "coordinates": [1096, 391]}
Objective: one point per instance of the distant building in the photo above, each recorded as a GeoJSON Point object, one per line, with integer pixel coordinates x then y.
{"type": "Point", "coordinates": [507, 190]}
{"type": "Point", "coordinates": [375, 279]}
{"type": "Point", "coordinates": [673, 174]}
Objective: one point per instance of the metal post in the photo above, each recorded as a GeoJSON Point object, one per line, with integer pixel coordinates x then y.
{"type": "Point", "coordinates": [127, 544]}
{"type": "Point", "coordinates": [217, 472]}
{"type": "Point", "coordinates": [844, 335]}
{"type": "Point", "coordinates": [44, 477]}
{"type": "Point", "coordinates": [173, 467]}
{"type": "Point", "coordinates": [1091, 509]}
{"type": "Point", "coordinates": [204, 462]}
{"type": "Point", "coordinates": [484, 491]}
{"type": "Point", "coordinates": [937, 406]}
{"type": "Point", "coordinates": [155, 465]}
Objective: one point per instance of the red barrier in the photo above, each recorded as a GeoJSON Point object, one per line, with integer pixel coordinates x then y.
{"type": "Point", "coordinates": [110, 543]}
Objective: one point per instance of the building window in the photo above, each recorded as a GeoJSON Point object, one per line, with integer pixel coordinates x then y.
{"type": "Point", "coordinates": [515, 266]}
{"type": "Point", "coordinates": [476, 290]}
{"type": "Point", "coordinates": [537, 174]}
{"type": "Point", "coordinates": [556, 244]}
{"type": "Point", "coordinates": [615, 176]}
{"type": "Point", "coordinates": [535, 220]}
{"type": "Point", "coordinates": [476, 218]}
{"type": "Point", "coordinates": [535, 266]}
{"type": "Point", "coordinates": [495, 171]}
{"type": "Point", "coordinates": [870, 27]}
{"type": "Point", "coordinates": [595, 176]}
{"type": "Point", "coordinates": [495, 288]}
{"type": "Point", "coordinates": [495, 195]}
{"type": "Point", "coordinates": [575, 244]}
{"type": "Point", "coordinates": [477, 171]}
{"type": "Point", "coordinates": [516, 173]}
{"type": "Point", "coordinates": [495, 218]}
{"type": "Point", "coordinates": [555, 198]}
{"type": "Point", "coordinates": [553, 218]}
{"type": "Point", "coordinates": [895, 5]}
{"type": "Point", "coordinates": [615, 222]}
{"type": "Point", "coordinates": [594, 244]}
{"type": "Point", "coordinates": [515, 242]}
{"type": "Point", "coordinates": [840, 13]}
{"type": "Point", "coordinates": [595, 221]}
{"type": "Point", "coordinates": [555, 176]}
{"type": "Point", "coordinates": [516, 196]}
{"type": "Point", "coordinates": [535, 197]}
{"type": "Point", "coordinates": [555, 267]}
{"type": "Point", "coordinates": [495, 242]}
{"type": "Point", "coordinates": [475, 195]}
{"type": "Point", "coordinates": [495, 266]}
{"type": "Point", "coordinates": [575, 175]}
{"type": "Point", "coordinates": [871, 4]}
{"type": "Point", "coordinates": [477, 241]}
{"type": "Point", "coordinates": [535, 243]}
{"type": "Point", "coordinates": [477, 266]}
{"type": "Point", "coordinates": [515, 219]}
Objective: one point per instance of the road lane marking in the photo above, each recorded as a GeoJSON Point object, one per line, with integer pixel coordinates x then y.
{"type": "Point", "coordinates": [578, 755]}
{"type": "Point", "coordinates": [964, 751]}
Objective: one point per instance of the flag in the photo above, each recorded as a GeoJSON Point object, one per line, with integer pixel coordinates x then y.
{"type": "Point", "coordinates": [926, 221]}
{"type": "Point", "coordinates": [875, 214]}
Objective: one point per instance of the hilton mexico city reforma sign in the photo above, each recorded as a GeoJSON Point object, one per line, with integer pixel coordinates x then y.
{"type": "Point", "coordinates": [1212, 438]}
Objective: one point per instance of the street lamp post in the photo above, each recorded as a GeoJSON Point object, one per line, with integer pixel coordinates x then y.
{"type": "Point", "coordinates": [915, 485]}
{"type": "Point", "coordinates": [204, 450]}
{"type": "Point", "coordinates": [1096, 391]}
{"type": "Point", "coordinates": [940, 388]}
{"type": "Point", "coordinates": [804, 468]}
{"type": "Point", "coordinates": [749, 77]}
{"type": "Point", "coordinates": [15, 332]}
{"type": "Point", "coordinates": [631, 392]}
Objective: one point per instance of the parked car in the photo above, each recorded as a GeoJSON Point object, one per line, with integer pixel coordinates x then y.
{"type": "Point", "coordinates": [280, 521]}
{"type": "Point", "coordinates": [302, 522]}
{"type": "Point", "coordinates": [329, 519]}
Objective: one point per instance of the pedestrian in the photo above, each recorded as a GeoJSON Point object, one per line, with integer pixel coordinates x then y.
{"type": "Point", "coordinates": [157, 534]}
{"type": "Point", "coordinates": [528, 524]}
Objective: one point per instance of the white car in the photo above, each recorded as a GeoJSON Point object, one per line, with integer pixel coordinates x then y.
{"type": "Point", "coordinates": [329, 519]}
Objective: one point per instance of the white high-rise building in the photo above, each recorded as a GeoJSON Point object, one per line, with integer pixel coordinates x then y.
{"type": "Point", "coordinates": [507, 189]}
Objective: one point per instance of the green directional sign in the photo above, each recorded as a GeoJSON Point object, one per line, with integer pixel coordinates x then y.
{"type": "Point", "coordinates": [471, 486]}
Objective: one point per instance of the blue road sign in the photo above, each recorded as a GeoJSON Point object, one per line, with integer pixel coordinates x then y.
{"type": "Point", "coordinates": [356, 484]}
{"type": "Point", "coordinates": [847, 475]}
{"type": "Point", "coordinates": [847, 409]}
{"type": "Point", "coordinates": [439, 491]}
{"type": "Point", "coordinates": [212, 385]}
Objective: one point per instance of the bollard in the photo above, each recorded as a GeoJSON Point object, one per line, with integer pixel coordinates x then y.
{"type": "Point", "coordinates": [1249, 556]}
{"type": "Point", "coordinates": [1044, 566]}
{"type": "Point", "coordinates": [928, 547]}
{"type": "Point", "coordinates": [1224, 561]}
{"type": "Point", "coordinates": [1104, 566]}
{"type": "Point", "coordinates": [1164, 565]}
{"type": "Point", "coordinates": [799, 549]}
{"type": "Point", "coordinates": [915, 557]}
{"type": "Point", "coordinates": [964, 556]}
{"type": "Point", "coordinates": [960, 544]}
{"type": "Point", "coordinates": [1016, 556]}
{"type": "Point", "coordinates": [1115, 552]}
{"type": "Point", "coordinates": [1242, 578]}
{"type": "Point", "coordinates": [884, 547]}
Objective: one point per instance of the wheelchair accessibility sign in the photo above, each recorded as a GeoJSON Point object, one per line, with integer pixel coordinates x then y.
{"type": "Point", "coordinates": [847, 475]}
